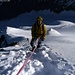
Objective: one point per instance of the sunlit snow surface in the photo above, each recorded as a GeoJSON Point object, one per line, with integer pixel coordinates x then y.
{"type": "Point", "coordinates": [56, 56]}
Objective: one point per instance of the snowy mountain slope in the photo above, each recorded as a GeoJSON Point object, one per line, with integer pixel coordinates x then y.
{"type": "Point", "coordinates": [8, 6]}
{"type": "Point", "coordinates": [66, 41]}
{"type": "Point", "coordinates": [54, 59]}
{"type": "Point", "coordinates": [50, 18]}
{"type": "Point", "coordinates": [57, 53]}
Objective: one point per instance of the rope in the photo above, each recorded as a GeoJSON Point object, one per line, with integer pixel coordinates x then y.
{"type": "Point", "coordinates": [27, 59]}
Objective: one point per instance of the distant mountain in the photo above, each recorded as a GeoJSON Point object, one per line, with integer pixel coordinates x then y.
{"type": "Point", "coordinates": [12, 8]}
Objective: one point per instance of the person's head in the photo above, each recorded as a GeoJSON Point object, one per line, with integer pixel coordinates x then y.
{"type": "Point", "coordinates": [39, 20]}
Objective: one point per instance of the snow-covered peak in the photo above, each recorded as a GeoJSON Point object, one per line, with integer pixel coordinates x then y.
{"type": "Point", "coordinates": [54, 32]}
{"type": "Point", "coordinates": [18, 32]}
{"type": "Point", "coordinates": [66, 23]}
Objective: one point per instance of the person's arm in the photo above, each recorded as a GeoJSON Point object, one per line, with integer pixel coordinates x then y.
{"type": "Point", "coordinates": [44, 33]}
{"type": "Point", "coordinates": [32, 31]}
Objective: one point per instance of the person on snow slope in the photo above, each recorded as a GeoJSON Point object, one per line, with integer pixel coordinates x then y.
{"type": "Point", "coordinates": [38, 30]}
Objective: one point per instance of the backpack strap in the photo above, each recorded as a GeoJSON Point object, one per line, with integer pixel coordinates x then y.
{"type": "Point", "coordinates": [43, 27]}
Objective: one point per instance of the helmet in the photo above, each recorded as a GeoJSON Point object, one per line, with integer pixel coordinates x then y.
{"type": "Point", "coordinates": [40, 18]}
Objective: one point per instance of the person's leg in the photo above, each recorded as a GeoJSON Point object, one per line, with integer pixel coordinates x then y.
{"type": "Point", "coordinates": [33, 44]}
{"type": "Point", "coordinates": [32, 41]}
{"type": "Point", "coordinates": [39, 43]}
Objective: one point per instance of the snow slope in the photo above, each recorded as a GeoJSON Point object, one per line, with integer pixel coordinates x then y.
{"type": "Point", "coordinates": [55, 57]}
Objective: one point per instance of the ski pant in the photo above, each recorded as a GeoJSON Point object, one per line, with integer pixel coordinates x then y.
{"type": "Point", "coordinates": [36, 42]}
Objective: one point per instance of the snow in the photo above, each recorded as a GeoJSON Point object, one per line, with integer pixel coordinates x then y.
{"type": "Point", "coordinates": [56, 56]}
{"type": "Point", "coordinates": [54, 33]}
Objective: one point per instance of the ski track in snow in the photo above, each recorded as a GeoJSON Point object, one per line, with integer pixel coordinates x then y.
{"type": "Point", "coordinates": [43, 62]}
